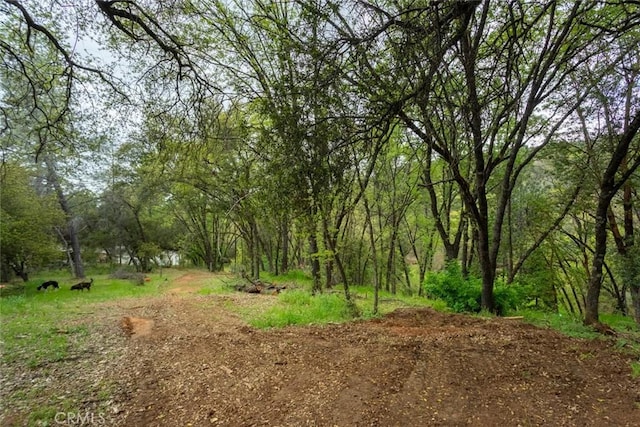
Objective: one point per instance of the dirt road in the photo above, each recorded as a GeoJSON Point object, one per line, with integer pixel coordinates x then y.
{"type": "Point", "coordinates": [201, 365]}
{"type": "Point", "coordinates": [185, 359]}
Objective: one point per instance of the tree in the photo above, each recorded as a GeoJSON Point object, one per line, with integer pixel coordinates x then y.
{"type": "Point", "coordinates": [615, 98]}
{"type": "Point", "coordinates": [609, 186]}
{"type": "Point", "coordinates": [27, 222]}
{"type": "Point", "coordinates": [75, 255]}
{"type": "Point", "coordinates": [478, 84]}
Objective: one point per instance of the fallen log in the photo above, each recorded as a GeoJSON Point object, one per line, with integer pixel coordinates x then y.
{"type": "Point", "coordinates": [258, 287]}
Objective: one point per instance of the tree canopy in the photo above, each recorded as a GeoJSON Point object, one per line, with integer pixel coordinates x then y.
{"type": "Point", "coordinates": [365, 141]}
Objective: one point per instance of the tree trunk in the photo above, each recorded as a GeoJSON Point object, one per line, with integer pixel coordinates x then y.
{"type": "Point", "coordinates": [390, 276]}
{"type": "Point", "coordinates": [465, 259]}
{"type": "Point", "coordinates": [600, 250]}
{"type": "Point", "coordinates": [488, 271]}
{"type": "Point", "coordinates": [255, 253]}
{"type": "Point", "coordinates": [315, 262]}
{"type": "Point", "coordinates": [635, 301]}
{"type": "Point", "coordinates": [608, 188]}
{"type": "Point", "coordinates": [284, 266]}
{"type": "Point", "coordinates": [72, 223]}
{"type": "Point", "coordinates": [21, 271]}
{"type": "Point", "coordinates": [374, 257]}
{"type": "Point", "coordinates": [405, 268]}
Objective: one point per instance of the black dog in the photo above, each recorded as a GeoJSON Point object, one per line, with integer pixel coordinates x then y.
{"type": "Point", "coordinates": [51, 283]}
{"type": "Point", "coordinates": [82, 286]}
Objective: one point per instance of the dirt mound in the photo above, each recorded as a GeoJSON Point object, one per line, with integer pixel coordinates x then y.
{"type": "Point", "coordinates": [412, 367]}
{"type": "Point", "coordinates": [136, 327]}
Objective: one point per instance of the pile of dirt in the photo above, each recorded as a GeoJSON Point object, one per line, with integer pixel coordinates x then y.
{"type": "Point", "coordinates": [413, 367]}
{"type": "Point", "coordinates": [136, 327]}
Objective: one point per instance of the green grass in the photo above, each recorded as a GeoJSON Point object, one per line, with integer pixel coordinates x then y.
{"type": "Point", "coordinates": [39, 327]}
{"type": "Point", "coordinates": [293, 278]}
{"type": "Point", "coordinates": [299, 307]}
{"type": "Point", "coordinates": [573, 326]}
{"type": "Point", "coordinates": [568, 325]}
{"type": "Point", "coordinates": [42, 328]}
{"type": "Point", "coordinates": [635, 370]}
{"type": "Point", "coordinates": [218, 286]}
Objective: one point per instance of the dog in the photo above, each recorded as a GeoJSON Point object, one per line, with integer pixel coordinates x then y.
{"type": "Point", "coordinates": [82, 286]}
{"type": "Point", "coordinates": [51, 283]}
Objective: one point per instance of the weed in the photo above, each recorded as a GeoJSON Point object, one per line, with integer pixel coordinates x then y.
{"type": "Point", "coordinates": [635, 369]}
{"type": "Point", "coordinates": [43, 416]}
{"type": "Point", "coordinates": [567, 324]}
{"type": "Point", "coordinates": [300, 307]}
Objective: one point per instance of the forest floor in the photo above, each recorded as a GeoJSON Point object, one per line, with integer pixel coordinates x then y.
{"type": "Point", "coordinates": [187, 359]}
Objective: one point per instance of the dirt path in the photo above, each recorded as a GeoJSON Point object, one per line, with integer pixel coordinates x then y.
{"type": "Point", "coordinates": [186, 359]}
{"type": "Point", "coordinates": [201, 365]}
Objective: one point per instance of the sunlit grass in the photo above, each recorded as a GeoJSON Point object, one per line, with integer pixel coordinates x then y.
{"type": "Point", "coordinates": [218, 286]}
{"type": "Point", "coordinates": [41, 326]}
{"type": "Point", "coordinates": [299, 307]}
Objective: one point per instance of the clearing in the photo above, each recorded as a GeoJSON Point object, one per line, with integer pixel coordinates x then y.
{"type": "Point", "coordinates": [185, 358]}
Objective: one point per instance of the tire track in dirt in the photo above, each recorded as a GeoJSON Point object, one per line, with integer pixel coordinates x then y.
{"type": "Point", "coordinates": [204, 366]}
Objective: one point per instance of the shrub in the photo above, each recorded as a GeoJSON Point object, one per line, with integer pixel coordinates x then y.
{"type": "Point", "coordinates": [448, 285]}
{"type": "Point", "coordinates": [464, 294]}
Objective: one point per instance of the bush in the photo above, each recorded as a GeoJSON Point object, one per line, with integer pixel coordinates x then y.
{"type": "Point", "coordinates": [460, 294]}
{"type": "Point", "coordinates": [465, 294]}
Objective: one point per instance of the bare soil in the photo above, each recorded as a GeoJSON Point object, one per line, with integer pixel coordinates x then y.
{"type": "Point", "coordinates": [185, 359]}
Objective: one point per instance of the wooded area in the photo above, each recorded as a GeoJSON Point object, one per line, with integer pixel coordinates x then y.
{"type": "Point", "coordinates": [370, 142]}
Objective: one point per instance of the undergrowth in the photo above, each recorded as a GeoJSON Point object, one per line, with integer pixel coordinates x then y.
{"type": "Point", "coordinates": [299, 307]}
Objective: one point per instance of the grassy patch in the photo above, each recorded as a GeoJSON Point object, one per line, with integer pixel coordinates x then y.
{"type": "Point", "coordinates": [620, 323]}
{"type": "Point", "coordinates": [45, 332]}
{"type": "Point", "coordinates": [299, 307]}
{"type": "Point", "coordinates": [627, 341]}
{"type": "Point", "coordinates": [39, 327]}
{"type": "Point", "coordinates": [635, 370]}
{"type": "Point", "coordinates": [42, 416]}
{"type": "Point", "coordinates": [218, 286]}
{"type": "Point", "coordinates": [388, 302]}
{"type": "Point", "coordinates": [293, 278]}
{"type": "Point", "coordinates": [566, 324]}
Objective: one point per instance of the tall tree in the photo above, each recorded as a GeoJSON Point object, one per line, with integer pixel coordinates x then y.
{"type": "Point", "coordinates": [609, 186]}
{"type": "Point", "coordinates": [75, 255]}
{"type": "Point", "coordinates": [27, 222]}
{"type": "Point", "coordinates": [502, 87]}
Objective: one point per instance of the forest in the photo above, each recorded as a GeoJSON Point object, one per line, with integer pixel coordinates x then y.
{"type": "Point", "coordinates": [483, 151]}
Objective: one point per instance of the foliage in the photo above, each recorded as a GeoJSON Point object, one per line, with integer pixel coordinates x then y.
{"type": "Point", "coordinates": [280, 131]}
{"type": "Point", "coordinates": [27, 221]}
{"type": "Point", "coordinates": [463, 294]}
{"type": "Point", "coordinates": [460, 294]}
